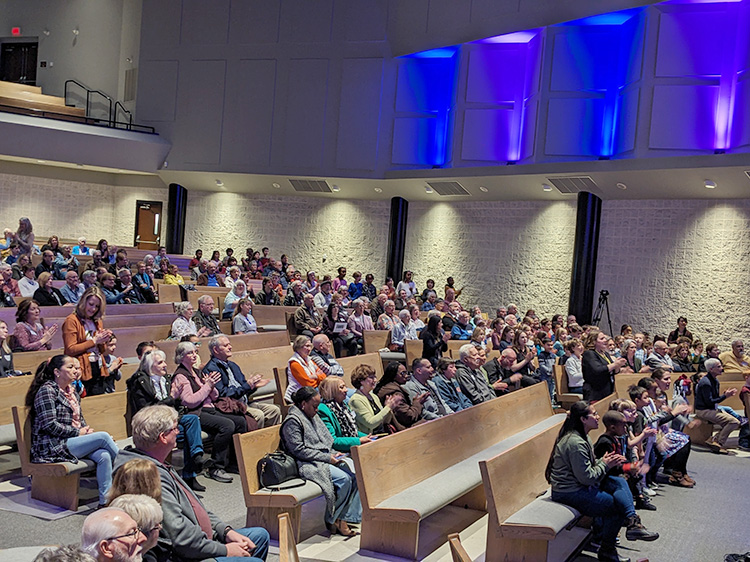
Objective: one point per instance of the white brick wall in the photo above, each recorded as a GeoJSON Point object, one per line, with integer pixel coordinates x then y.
{"type": "Point", "coordinates": [503, 251]}
{"type": "Point", "coordinates": [661, 259]}
{"type": "Point", "coordinates": [349, 233]}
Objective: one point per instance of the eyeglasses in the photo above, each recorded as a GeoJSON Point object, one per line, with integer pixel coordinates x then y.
{"type": "Point", "coordinates": [132, 534]}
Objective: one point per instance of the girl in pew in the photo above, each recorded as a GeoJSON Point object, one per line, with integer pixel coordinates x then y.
{"type": "Point", "coordinates": [113, 364]}
{"type": "Point", "coordinates": [60, 433]}
{"type": "Point", "coordinates": [580, 480]}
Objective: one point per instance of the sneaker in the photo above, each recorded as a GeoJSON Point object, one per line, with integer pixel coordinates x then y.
{"type": "Point", "coordinates": [219, 475]}
{"type": "Point", "coordinates": [654, 486]}
{"type": "Point", "coordinates": [644, 504]}
{"type": "Point", "coordinates": [194, 485]}
{"type": "Point", "coordinates": [637, 532]}
{"type": "Point", "coordinates": [648, 491]}
{"type": "Point", "coordinates": [743, 421]}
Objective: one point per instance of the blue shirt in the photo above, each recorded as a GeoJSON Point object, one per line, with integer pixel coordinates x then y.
{"type": "Point", "coordinates": [461, 332]}
{"type": "Point", "coordinates": [211, 280]}
{"type": "Point", "coordinates": [450, 392]}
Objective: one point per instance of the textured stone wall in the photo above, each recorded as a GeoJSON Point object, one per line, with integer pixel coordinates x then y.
{"type": "Point", "coordinates": [317, 234]}
{"type": "Point", "coordinates": [661, 259]}
{"type": "Point", "coordinates": [501, 252]}
{"type": "Point", "coordinates": [71, 209]}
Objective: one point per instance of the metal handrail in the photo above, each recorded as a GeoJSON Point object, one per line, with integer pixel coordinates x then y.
{"type": "Point", "coordinates": [130, 115]}
{"type": "Point", "coordinates": [89, 93]}
{"type": "Point", "coordinates": [86, 120]}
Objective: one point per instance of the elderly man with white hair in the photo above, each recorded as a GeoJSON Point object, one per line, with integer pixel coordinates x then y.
{"type": "Point", "coordinates": [204, 317]}
{"type": "Point", "coordinates": [736, 361]}
{"type": "Point", "coordinates": [72, 290]}
{"type": "Point", "coordinates": [110, 534]}
{"type": "Point", "coordinates": [401, 330]}
{"type": "Point", "coordinates": [472, 382]}
{"type": "Point", "coordinates": [190, 530]}
{"type": "Point", "coordinates": [146, 512]}
{"type": "Point", "coordinates": [707, 398]}
{"type": "Point", "coordinates": [7, 283]}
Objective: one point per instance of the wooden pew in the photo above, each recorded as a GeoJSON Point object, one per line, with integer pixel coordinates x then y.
{"type": "Point", "coordinates": [437, 469]}
{"type": "Point", "coordinates": [106, 412]}
{"type": "Point", "coordinates": [601, 407]}
{"type": "Point", "coordinates": [263, 505]}
{"type": "Point", "coordinates": [454, 346]}
{"type": "Point", "coordinates": [264, 361]}
{"type": "Point", "coordinates": [287, 540]}
{"type": "Point", "coordinates": [563, 396]}
{"type": "Point", "coordinates": [240, 342]}
{"type": "Point", "coordinates": [349, 363]}
{"type": "Point", "coordinates": [375, 340]}
{"type": "Point", "coordinates": [12, 393]}
{"type": "Point", "coordinates": [413, 350]}
{"type": "Point", "coordinates": [458, 552]}
{"type": "Point", "coordinates": [522, 525]}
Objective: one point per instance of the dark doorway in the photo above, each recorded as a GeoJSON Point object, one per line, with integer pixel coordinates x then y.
{"type": "Point", "coordinates": [18, 62]}
{"type": "Point", "coordinates": [148, 219]}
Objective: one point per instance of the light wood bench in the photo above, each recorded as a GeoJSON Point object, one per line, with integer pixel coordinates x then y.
{"type": "Point", "coordinates": [458, 552]}
{"type": "Point", "coordinates": [413, 350]}
{"type": "Point", "coordinates": [436, 469]}
{"type": "Point", "coordinates": [523, 519]}
{"type": "Point", "coordinates": [287, 540]}
{"type": "Point", "coordinates": [264, 505]}
{"type": "Point", "coordinates": [375, 340]}
{"type": "Point", "coordinates": [563, 396]}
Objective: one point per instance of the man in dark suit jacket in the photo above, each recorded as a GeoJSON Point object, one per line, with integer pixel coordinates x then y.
{"type": "Point", "coordinates": [501, 375]}
{"type": "Point", "coordinates": [234, 384]}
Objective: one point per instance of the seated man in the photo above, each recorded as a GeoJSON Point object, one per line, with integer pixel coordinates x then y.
{"type": "Point", "coordinates": [189, 531]}
{"type": "Point", "coordinates": [473, 384]}
{"type": "Point", "coordinates": [377, 307]}
{"type": "Point", "coordinates": [707, 398]}
{"type": "Point", "coordinates": [125, 280]}
{"type": "Point", "coordinates": [448, 387]}
{"type": "Point", "coordinates": [234, 384]}
{"type": "Point", "coordinates": [736, 361]}
{"type": "Point", "coordinates": [307, 319]}
{"type": "Point", "coordinates": [65, 261]}
{"type": "Point", "coordinates": [72, 290]}
{"type": "Point", "coordinates": [400, 331]}
{"type": "Point", "coordinates": [659, 358]}
{"type": "Point", "coordinates": [110, 534]}
{"type": "Point", "coordinates": [121, 262]}
{"type": "Point", "coordinates": [429, 304]}
{"type": "Point", "coordinates": [321, 356]}
{"type": "Point", "coordinates": [501, 375]}
{"type": "Point", "coordinates": [388, 318]}
{"type": "Point", "coordinates": [89, 279]}
{"type": "Point", "coordinates": [210, 278]}
{"type": "Point", "coordinates": [323, 298]}
{"type": "Point", "coordinates": [7, 283]}
{"type": "Point", "coordinates": [160, 255]}
{"type": "Point", "coordinates": [268, 295]}
{"type": "Point", "coordinates": [451, 315]}
{"type": "Point", "coordinates": [204, 317]}
{"type": "Point", "coordinates": [421, 383]}
{"type": "Point", "coordinates": [462, 329]}
{"type": "Point", "coordinates": [47, 264]}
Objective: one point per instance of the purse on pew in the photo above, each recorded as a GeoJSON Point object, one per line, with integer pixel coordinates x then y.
{"type": "Point", "coordinates": [276, 468]}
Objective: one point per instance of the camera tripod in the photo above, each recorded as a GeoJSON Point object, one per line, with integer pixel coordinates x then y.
{"type": "Point", "coordinates": [601, 306]}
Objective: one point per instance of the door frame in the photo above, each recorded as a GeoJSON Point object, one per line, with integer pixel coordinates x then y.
{"type": "Point", "coordinates": [138, 203]}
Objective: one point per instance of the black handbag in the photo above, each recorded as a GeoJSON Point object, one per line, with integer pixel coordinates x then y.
{"type": "Point", "coordinates": [276, 468]}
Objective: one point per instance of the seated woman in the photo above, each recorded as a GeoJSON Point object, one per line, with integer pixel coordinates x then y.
{"type": "Point", "coordinates": [371, 416]}
{"type": "Point", "coordinates": [53, 245]}
{"type": "Point", "coordinates": [46, 294]}
{"type": "Point", "coordinates": [573, 366]}
{"type": "Point", "coordinates": [524, 354]}
{"type": "Point", "coordinates": [338, 417]}
{"type": "Point", "coordinates": [311, 284]}
{"type": "Point", "coordinates": [162, 269]}
{"type": "Point", "coordinates": [416, 321]}
{"type": "Point", "coordinates": [151, 385]}
{"type": "Point", "coordinates": [59, 431]}
{"type": "Point", "coordinates": [242, 319]}
{"type": "Point", "coordinates": [233, 275]}
{"type": "Point", "coordinates": [682, 360]}
{"type": "Point", "coordinates": [24, 237]}
{"type": "Point", "coordinates": [434, 340]}
{"type": "Point", "coordinates": [359, 322]}
{"type": "Point", "coordinates": [30, 333]}
{"type": "Point", "coordinates": [301, 370]}
{"type": "Point", "coordinates": [506, 338]}
{"type": "Point", "coordinates": [295, 294]}
{"type": "Point", "coordinates": [239, 291]}
{"type": "Point", "coordinates": [184, 325]}
{"type": "Point", "coordinates": [6, 355]}
{"type": "Point", "coordinates": [306, 438]}
{"type": "Point", "coordinates": [197, 394]}
{"type": "Point", "coordinates": [107, 253]}
{"type": "Point", "coordinates": [111, 294]}
{"type": "Point", "coordinates": [27, 283]}
{"type": "Point", "coordinates": [633, 364]}
{"type": "Point", "coordinates": [341, 338]}
{"type": "Point", "coordinates": [84, 337]}
{"type": "Point", "coordinates": [407, 412]}
{"type": "Point", "coordinates": [580, 481]}
{"type": "Point", "coordinates": [173, 276]}
{"type": "Point", "coordinates": [598, 366]}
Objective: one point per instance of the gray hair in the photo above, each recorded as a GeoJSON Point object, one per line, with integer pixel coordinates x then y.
{"type": "Point", "coordinates": [144, 510]}
{"type": "Point", "coordinates": [69, 553]}
{"type": "Point", "coordinates": [87, 274]}
{"type": "Point", "coordinates": [148, 360]}
{"type": "Point", "coordinates": [711, 363]}
{"type": "Point", "coordinates": [203, 298]}
{"type": "Point", "coordinates": [299, 342]}
{"type": "Point", "coordinates": [148, 258]}
{"type": "Point", "coordinates": [149, 423]}
{"type": "Point", "coordinates": [123, 271]}
{"type": "Point", "coordinates": [624, 347]}
{"type": "Point", "coordinates": [4, 266]}
{"type": "Point", "coordinates": [358, 301]}
{"type": "Point", "coordinates": [404, 314]}
{"type": "Point", "coordinates": [233, 268]}
{"type": "Point", "coordinates": [183, 348]}
{"type": "Point", "coordinates": [389, 302]}
{"type": "Point", "coordinates": [433, 312]}
{"type": "Point", "coordinates": [464, 351]}
{"type": "Point", "coordinates": [181, 307]}
{"type": "Point", "coordinates": [98, 527]}
{"type": "Point", "coordinates": [215, 342]}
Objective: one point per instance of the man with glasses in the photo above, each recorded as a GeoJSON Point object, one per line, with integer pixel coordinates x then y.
{"type": "Point", "coordinates": [110, 534]}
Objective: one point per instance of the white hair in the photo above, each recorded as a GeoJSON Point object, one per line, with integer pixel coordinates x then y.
{"type": "Point", "coordinates": [144, 510]}
{"type": "Point", "coordinates": [181, 307]}
{"type": "Point", "coordinates": [464, 350]}
{"type": "Point", "coordinates": [97, 527]}
{"type": "Point", "coordinates": [711, 363]}
{"type": "Point", "coordinates": [148, 360]}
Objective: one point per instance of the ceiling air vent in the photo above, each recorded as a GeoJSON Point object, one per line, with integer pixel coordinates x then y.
{"type": "Point", "coordinates": [310, 186]}
{"type": "Point", "coordinates": [448, 188]}
{"type": "Point", "coordinates": [574, 184]}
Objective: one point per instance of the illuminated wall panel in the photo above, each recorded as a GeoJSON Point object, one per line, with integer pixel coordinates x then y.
{"type": "Point", "coordinates": [682, 117]}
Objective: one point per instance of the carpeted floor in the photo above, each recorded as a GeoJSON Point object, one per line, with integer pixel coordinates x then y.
{"type": "Point", "coordinates": [696, 525]}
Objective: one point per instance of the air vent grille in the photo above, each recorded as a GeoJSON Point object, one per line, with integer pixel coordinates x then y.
{"type": "Point", "coordinates": [131, 76]}
{"type": "Point", "coordinates": [448, 188]}
{"type": "Point", "coordinates": [310, 186]}
{"type": "Point", "coordinates": [574, 184]}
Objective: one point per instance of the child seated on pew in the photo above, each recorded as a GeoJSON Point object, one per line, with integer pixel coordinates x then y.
{"type": "Point", "coordinates": [113, 365]}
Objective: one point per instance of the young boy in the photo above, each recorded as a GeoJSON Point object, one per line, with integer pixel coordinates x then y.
{"type": "Point", "coordinates": [547, 359]}
{"type": "Point", "coordinates": [113, 365]}
{"type": "Point", "coordinates": [615, 440]}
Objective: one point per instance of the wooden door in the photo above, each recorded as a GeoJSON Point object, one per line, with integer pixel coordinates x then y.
{"type": "Point", "coordinates": [148, 219]}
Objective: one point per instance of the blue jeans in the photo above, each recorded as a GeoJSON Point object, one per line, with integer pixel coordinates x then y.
{"type": "Point", "coordinates": [348, 505]}
{"type": "Point", "coordinates": [260, 537]}
{"type": "Point", "coordinates": [100, 448]}
{"type": "Point", "coordinates": [192, 444]}
{"type": "Point", "coordinates": [608, 504]}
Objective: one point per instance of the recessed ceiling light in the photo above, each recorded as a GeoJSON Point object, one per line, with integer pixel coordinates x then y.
{"type": "Point", "coordinates": [276, 185]}
{"type": "Point", "coordinates": [378, 190]}
{"type": "Point", "coordinates": [709, 184]}
{"type": "Point", "coordinates": [335, 188]}
{"type": "Point", "coordinates": [483, 189]}
{"type": "Point", "coordinates": [428, 189]}
{"type": "Point", "coordinates": [621, 185]}
{"type": "Point", "coordinates": [546, 187]}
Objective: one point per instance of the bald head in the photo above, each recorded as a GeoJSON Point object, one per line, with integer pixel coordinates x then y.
{"type": "Point", "coordinates": [110, 534]}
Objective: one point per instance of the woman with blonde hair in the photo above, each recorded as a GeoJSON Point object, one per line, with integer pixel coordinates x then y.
{"type": "Point", "coordinates": [46, 294]}
{"type": "Point", "coordinates": [138, 476]}
{"type": "Point", "coordinates": [242, 318]}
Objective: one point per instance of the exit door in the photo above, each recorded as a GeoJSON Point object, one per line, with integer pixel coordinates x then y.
{"type": "Point", "coordinates": [148, 219]}
{"type": "Point", "coordinates": [18, 62]}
